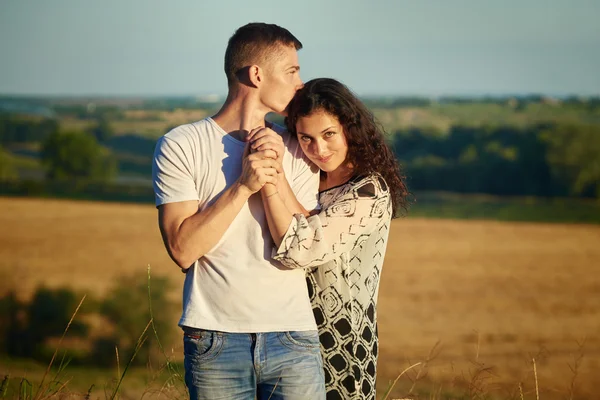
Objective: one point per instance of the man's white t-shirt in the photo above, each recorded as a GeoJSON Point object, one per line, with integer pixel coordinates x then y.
{"type": "Point", "coordinates": [236, 286]}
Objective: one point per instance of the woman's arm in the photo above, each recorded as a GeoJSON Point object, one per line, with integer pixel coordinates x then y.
{"type": "Point", "coordinates": [340, 227]}
{"type": "Point", "coordinates": [279, 216]}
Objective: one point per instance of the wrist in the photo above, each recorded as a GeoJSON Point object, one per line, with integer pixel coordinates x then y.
{"type": "Point", "coordinates": [241, 190]}
{"type": "Point", "coordinates": [269, 189]}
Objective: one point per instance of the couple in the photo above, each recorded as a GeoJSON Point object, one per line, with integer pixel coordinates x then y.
{"type": "Point", "coordinates": [252, 212]}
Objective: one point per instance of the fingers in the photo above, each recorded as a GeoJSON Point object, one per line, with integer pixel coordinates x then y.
{"type": "Point", "coordinates": [270, 179]}
{"type": "Point", "coordinates": [263, 154]}
{"type": "Point", "coordinates": [262, 132]}
{"type": "Point", "coordinates": [254, 132]}
{"type": "Point", "coordinates": [264, 163]}
{"type": "Point", "coordinates": [272, 147]}
{"type": "Point", "coordinates": [246, 150]}
{"type": "Point", "coordinates": [256, 143]}
{"type": "Point", "coordinates": [257, 173]}
{"type": "Point", "coordinates": [263, 176]}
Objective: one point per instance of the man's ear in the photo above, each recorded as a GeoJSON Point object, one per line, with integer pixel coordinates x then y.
{"type": "Point", "coordinates": [255, 75]}
{"type": "Point", "coordinates": [248, 75]}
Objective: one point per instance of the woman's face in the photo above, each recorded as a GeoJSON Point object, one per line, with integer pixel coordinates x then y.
{"type": "Point", "coordinates": [323, 140]}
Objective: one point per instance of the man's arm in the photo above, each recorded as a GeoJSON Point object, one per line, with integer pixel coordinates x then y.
{"type": "Point", "coordinates": [188, 233]}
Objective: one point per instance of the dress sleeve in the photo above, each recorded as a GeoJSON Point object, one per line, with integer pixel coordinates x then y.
{"type": "Point", "coordinates": [338, 228]}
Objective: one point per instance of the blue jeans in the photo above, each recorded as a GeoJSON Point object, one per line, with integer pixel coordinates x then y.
{"type": "Point", "coordinates": [249, 366]}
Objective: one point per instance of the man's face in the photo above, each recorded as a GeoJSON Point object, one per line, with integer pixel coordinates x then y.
{"type": "Point", "coordinates": [281, 80]}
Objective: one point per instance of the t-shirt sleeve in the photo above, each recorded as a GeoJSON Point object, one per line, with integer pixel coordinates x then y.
{"type": "Point", "coordinates": [305, 183]}
{"type": "Point", "coordinates": [172, 174]}
{"type": "Point", "coordinates": [336, 229]}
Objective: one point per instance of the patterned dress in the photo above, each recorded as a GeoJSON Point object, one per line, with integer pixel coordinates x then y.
{"type": "Point", "coordinates": [343, 247]}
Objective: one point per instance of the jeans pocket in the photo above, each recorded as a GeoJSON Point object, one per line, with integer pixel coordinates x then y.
{"type": "Point", "coordinates": [202, 345]}
{"type": "Point", "coordinates": [301, 340]}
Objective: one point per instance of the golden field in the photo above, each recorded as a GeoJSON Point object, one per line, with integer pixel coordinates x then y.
{"type": "Point", "coordinates": [492, 294]}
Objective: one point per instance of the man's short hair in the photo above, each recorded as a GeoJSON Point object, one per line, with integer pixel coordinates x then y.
{"type": "Point", "coordinates": [252, 44]}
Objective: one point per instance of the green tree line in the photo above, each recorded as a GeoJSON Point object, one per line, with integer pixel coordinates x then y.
{"type": "Point", "coordinates": [546, 160]}
{"type": "Point", "coordinates": [24, 129]}
{"type": "Point", "coordinates": [543, 160]}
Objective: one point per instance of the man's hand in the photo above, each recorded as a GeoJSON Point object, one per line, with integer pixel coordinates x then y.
{"type": "Point", "coordinates": [258, 169]}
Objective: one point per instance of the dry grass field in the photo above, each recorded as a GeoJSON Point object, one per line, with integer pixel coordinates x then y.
{"type": "Point", "coordinates": [494, 296]}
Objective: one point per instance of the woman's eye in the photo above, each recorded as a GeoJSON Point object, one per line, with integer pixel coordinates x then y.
{"type": "Point", "coordinates": [305, 138]}
{"type": "Point", "coordinates": [329, 134]}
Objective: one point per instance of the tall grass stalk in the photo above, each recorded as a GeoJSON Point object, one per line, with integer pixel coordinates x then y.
{"type": "Point", "coordinates": [40, 390]}
{"type": "Point", "coordinates": [537, 388]}
{"type": "Point", "coordinates": [175, 373]}
{"type": "Point", "coordinates": [138, 345]}
{"type": "Point", "coordinates": [25, 390]}
{"type": "Point", "coordinates": [433, 353]}
{"type": "Point", "coordinates": [274, 387]}
{"type": "Point", "coordinates": [521, 390]}
{"type": "Point", "coordinates": [575, 368]}
{"type": "Point", "coordinates": [4, 386]}
{"type": "Point", "coordinates": [118, 362]}
{"type": "Point", "coordinates": [387, 393]}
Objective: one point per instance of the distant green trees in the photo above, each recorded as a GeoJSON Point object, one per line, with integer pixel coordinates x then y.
{"type": "Point", "coordinates": [25, 129]}
{"type": "Point", "coordinates": [28, 326]}
{"type": "Point", "coordinates": [29, 329]}
{"type": "Point", "coordinates": [573, 154]}
{"type": "Point", "coordinates": [7, 170]}
{"type": "Point", "coordinates": [103, 130]}
{"type": "Point", "coordinates": [532, 159]}
{"type": "Point", "coordinates": [543, 160]}
{"type": "Point", "coordinates": [76, 155]}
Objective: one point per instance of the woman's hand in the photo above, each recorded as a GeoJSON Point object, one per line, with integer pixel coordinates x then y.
{"type": "Point", "coordinates": [263, 138]}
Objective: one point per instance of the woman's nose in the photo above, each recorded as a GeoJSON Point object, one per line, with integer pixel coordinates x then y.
{"type": "Point", "coordinates": [319, 147]}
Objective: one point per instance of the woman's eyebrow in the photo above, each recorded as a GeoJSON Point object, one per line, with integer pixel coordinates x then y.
{"type": "Point", "coordinates": [327, 129]}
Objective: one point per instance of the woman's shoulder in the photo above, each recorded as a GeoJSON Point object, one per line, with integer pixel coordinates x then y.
{"type": "Point", "coordinates": [369, 185]}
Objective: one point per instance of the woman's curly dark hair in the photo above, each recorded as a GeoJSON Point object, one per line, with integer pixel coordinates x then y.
{"type": "Point", "coordinates": [367, 150]}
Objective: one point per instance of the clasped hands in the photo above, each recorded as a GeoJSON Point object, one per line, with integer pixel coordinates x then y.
{"type": "Point", "coordinates": [262, 162]}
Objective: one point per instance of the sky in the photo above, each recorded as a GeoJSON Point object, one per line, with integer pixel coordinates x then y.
{"type": "Point", "coordinates": [378, 48]}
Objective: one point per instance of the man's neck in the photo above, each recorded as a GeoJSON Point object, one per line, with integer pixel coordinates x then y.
{"type": "Point", "coordinates": [239, 115]}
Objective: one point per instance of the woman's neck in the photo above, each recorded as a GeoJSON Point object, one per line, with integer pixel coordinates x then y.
{"type": "Point", "coordinates": [337, 177]}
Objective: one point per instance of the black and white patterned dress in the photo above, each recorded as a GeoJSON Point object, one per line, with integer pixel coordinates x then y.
{"type": "Point", "coordinates": [343, 246]}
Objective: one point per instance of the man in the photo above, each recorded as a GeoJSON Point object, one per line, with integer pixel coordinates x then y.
{"type": "Point", "coordinates": [248, 326]}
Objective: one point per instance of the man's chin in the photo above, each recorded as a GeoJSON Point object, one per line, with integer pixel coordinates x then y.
{"type": "Point", "coordinates": [283, 113]}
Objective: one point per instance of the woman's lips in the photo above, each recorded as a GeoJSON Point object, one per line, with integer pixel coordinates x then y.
{"type": "Point", "coordinates": [324, 159]}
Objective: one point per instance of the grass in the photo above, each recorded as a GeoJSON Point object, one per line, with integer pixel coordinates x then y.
{"type": "Point", "coordinates": [474, 302]}
{"type": "Point", "coordinates": [529, 209]}
{"type": "Point", "coordinates": [494, 294]}
{"type": "Point", "coordinates": [94, 383]}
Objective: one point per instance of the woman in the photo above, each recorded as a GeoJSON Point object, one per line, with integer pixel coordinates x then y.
{"type": "Point", "coordinates": [343, 244]}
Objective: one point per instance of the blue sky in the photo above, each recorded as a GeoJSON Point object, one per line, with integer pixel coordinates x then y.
{"type": "Point", "coordinates": [378, 47]}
